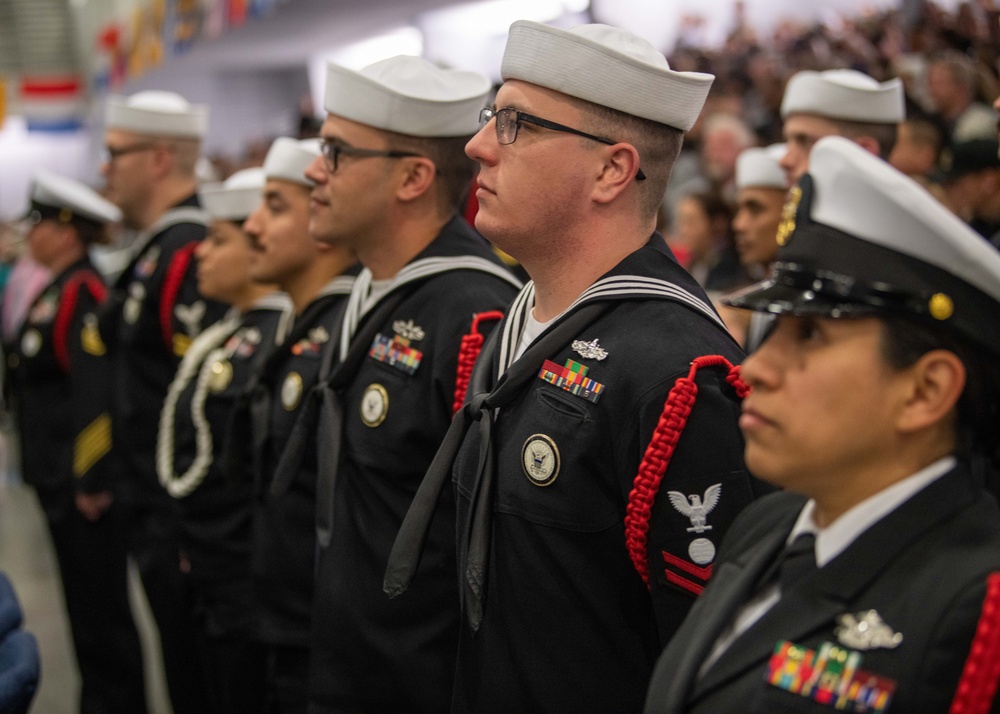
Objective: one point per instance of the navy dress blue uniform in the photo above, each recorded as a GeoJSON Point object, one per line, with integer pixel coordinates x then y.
{"type": "Point", "coordinates": [215, 508]}
{"type": "Point", "coordinates": [558, 570]}
{"type": "Point", "coordinates": [153, 314]}
{"type": "Point", "coordinates": [284, 536]}
{"type": "Point", "coordinates": [59, 379]}
{"type": "Point", "coordinates": [395, 403]}
{"type": "Point", "coordinates": [925, 569]}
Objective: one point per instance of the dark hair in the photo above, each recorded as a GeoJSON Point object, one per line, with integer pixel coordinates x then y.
{"type": "Point", "coordinates": [884, 134]}
{"type": "Point", "coordinates": [455, 170]}
{"type": "Point", "coordinates": [907, 339]}
{"type": "Point", "coordinates": [90, 232]}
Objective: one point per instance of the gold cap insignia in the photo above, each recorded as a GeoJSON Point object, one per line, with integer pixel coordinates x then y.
{"type": "Point", "coordinates": [787, 225]}
{"type": "Point", "coordinates": [941, 307]}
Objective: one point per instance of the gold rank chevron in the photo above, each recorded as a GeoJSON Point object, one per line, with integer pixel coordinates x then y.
{"type": "Point", "coordinates": [92, 444]}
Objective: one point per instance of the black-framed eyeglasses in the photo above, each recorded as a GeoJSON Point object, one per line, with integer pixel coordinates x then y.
{"type": "Point", "coordinates": [333, 151]}
{"type": "Point", "coordinates": [509, 120]}
{"type": "Point", "coordinates": [111, 153]}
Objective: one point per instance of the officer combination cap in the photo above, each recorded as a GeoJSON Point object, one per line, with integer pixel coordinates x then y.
{"type": "Point", "coordinates": [235, 198]}
{"type": "Point", "coordinates": [607, 66]}
{"type": "Point", "coordinates": [288, 159]}
{"type": "Point", "coordinates": [859, 238]}
{"type": "Point", "coordinates": [157, 113]}
{"type": "Point", "coordinates": [65, 200]}
{"type": "Point", "coordinates": [844, 94]}
{"type": "Point", "coordinates": [408, 95]}
{"type": "Point", "coordinates": [759, 167]}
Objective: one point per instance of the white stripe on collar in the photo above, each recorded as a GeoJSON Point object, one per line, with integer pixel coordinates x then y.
{"type": "Point", "coordinates": [359, 304]}
{"type": "Point", "coordinates": [179, 214]}
{"type": "Point", "coordinates": [620, 286]}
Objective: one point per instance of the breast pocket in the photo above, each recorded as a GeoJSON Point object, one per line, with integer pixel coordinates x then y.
{"type": "Point", "coordinates": [555, 464]}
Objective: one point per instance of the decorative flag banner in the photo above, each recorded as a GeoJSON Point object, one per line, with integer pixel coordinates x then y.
{"type": "Point", "coordinates": [53, 103]}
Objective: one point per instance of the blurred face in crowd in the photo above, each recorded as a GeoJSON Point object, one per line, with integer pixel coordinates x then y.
{"type": "Point", "coordinates": [279, 233]}
{"type": "Point", "coordinates": [758, 213]}
{"type": "Point", "coordinates": [129, 168]}
{"type": "Point", "coordinates": [801, 131]}
{"type": "Point", "coordinates": [49, 240]}
{"type": "Point", "coordinates": [224, 260]}
{"type": "Point", "coordinates": [822, 406]}
{"type": "Point", "coordinates": [947, 95]}
{"type": "Point", "coordinates": [537, 184]}
{"type": "Point", "coordinates": [350, 202]}
{"type": "Point", "coordinates": [694, 230]}
{"type": "Point", "coordinates": [719, 151]}
{"type": "Point", "coordinates": [910, 154]}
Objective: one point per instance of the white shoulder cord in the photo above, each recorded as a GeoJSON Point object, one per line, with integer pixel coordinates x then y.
{"type": "Point", "coordinates": [199, 359]}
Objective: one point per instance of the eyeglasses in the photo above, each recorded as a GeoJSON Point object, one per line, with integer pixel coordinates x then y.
{"type": "Point", "coordinates": [332, 152]}
{"type": "Point", "coordinates": [509, 120]}
{"type": "Point", "coordinates": [111, 153]}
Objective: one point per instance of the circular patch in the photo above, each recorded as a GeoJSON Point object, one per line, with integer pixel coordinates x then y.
{"type": "Point", "coordinates": [220, 375]}
{"type": "Point", "coordinates": [540, 459]}
{"type": "Point", "coordinates": [374, 405]}
{"type": "Point", "coordinates": [291, 391]}
{"type": "Point", "coordinates": [701, 551]}
{"type": "Point", "coordinates": [31, 342]}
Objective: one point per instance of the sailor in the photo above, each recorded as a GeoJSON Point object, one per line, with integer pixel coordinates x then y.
{"type": "Point", "coordinates": [59, 376]}
{"type": "Point", "coordinates": [317, 277]}
{"type": "Point", "coordinates": [590, 503]}
{"type": "Point", "coordinates": [391, 183]}
{"type": "Point", "coordinates": [872, 583]}
{"type": "Point", "coordinates": [152, 144]}
{"type": "Point", "coordinates": [216, 511]}
{"type": "Point", "coordinates": [838, 102]}
{"type": "Point", "coordinates": [761, 189]}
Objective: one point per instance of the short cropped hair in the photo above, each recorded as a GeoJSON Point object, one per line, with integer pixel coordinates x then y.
{"type": "Point", "coordinates": [884, 134]}
{"type": "Point", "coordinates": [455, 170]}
{"type": "Point", "coordinates": [658, 146]}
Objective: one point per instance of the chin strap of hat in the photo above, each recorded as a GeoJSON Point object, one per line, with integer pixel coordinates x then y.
{"type": "Point", "coordinates": [978, 686]}
{"type": "Point", "coordinates": [660, 450]}
{"type": "Point", "coordinates": [472, 345]}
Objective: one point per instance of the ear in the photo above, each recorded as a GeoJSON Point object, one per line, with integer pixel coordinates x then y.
{"type": "Point", "coordinates": [617, 173]}
{"type": "Point", "coordinates": [936, 381]}
{"type": "Point", "coordinates": [417, 175]}
{"type": "Point", "coordinates": [163, 160]}
{"type": "Point", "coordinates": [869, 144]}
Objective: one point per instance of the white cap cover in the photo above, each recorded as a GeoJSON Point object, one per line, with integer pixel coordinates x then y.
{"type": "Point", "coordinates": [844, 94]}
{"type": "Point", "coordinates": [53, 192]}
{"type": "Point", "coordinates": [287, 159]}
{"type": "Point", "coordinates": [607, 66]}
{"type": "Point", "coordinates": [157, 113]}
{"type": "Point", "coordinates": [408, 95]}
{"type": "Point", "coordinates": [236, 198]}
{"type": "Point", "coordinates": [759, 167]}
